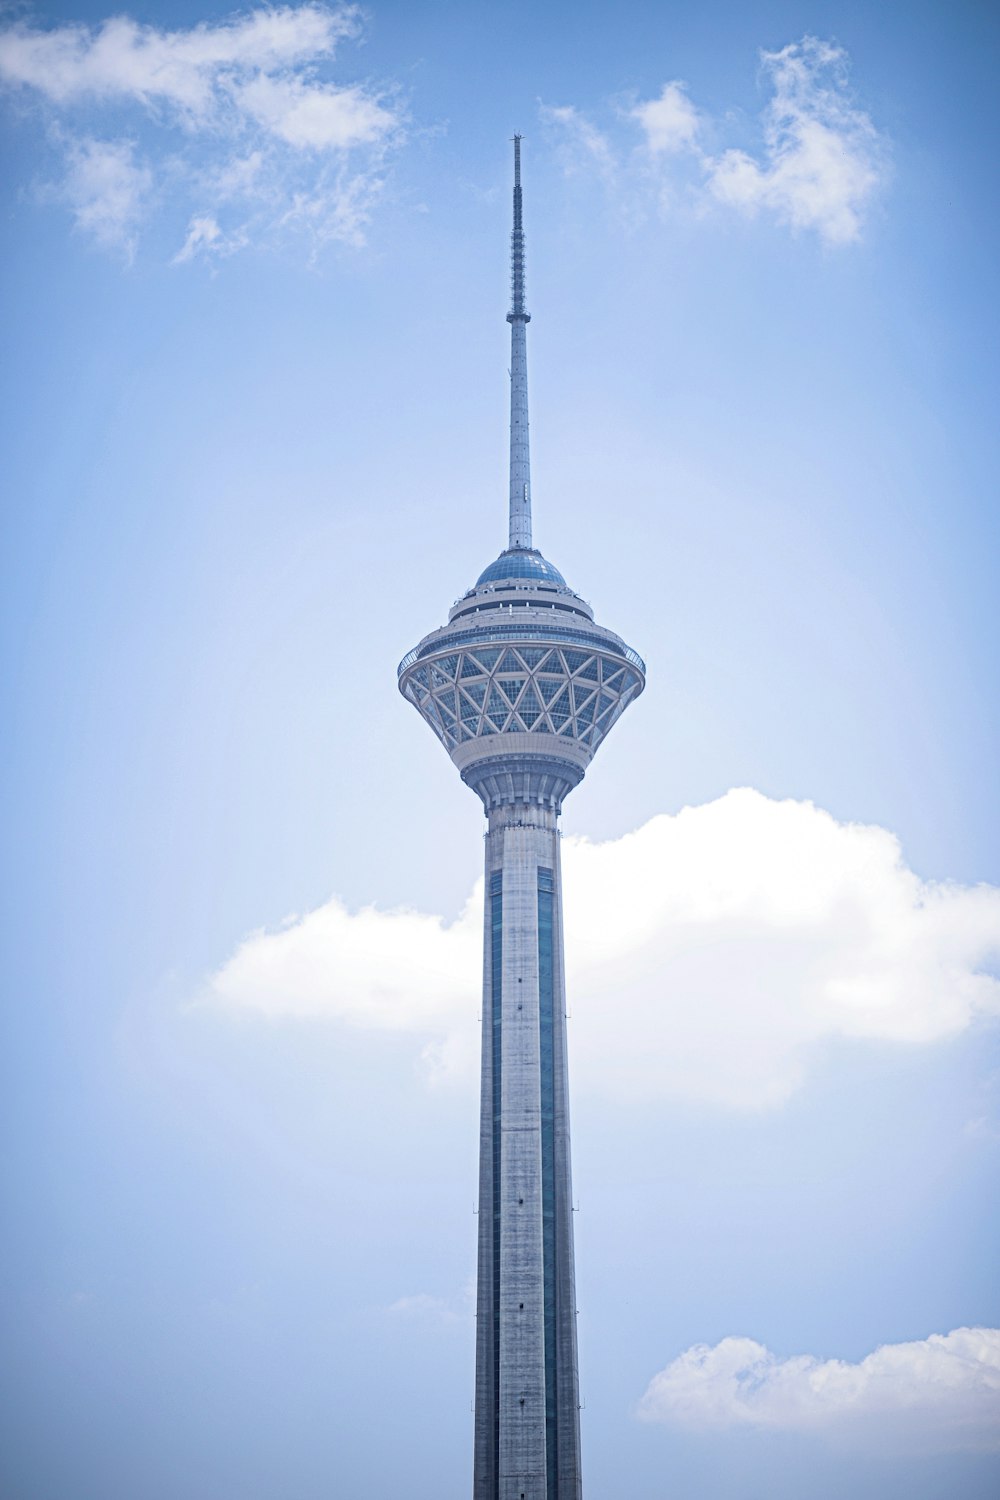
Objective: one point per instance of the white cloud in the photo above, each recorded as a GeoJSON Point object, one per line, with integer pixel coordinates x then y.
{"type": "Point", "coordinates": [339, 208]}
{"type": "Point", "coordinates": [710, 955]}
{"type": "Point", "coordinates": [940, 1393]}
{"type": "Point", "coordinates": [823, 157]}
{"type": "Point", "coordinates": [670, 122]}
{"type": "Point", "coordinates": [822, 161]}
{"type": "Point", "coordinates": [107, 190]}
{"type": "Point", "coordinates": [308, 116]}
{"type": "Point", "coordinates": [582, 143]}
{"type": "Point", "coordinates": [204, 237]}
{"type": "Point", "coordinates": [239, 105]}
{"type": "Point", "coordinates": [190, 71]}
{"type": "Point", "coordinates": [238, 177]}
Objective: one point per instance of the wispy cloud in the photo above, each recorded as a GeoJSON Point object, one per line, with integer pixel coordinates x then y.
{"type": "Point", "coordinates": [935, 1394]}
{"type": "Point", "coordinates": [819, 167]}
{"type": "Point", "coordinates": [238, 115]}
{"type": "Point", "coordinates": [581, 143]}
{"type": "Point", "coordinates": [204, 237]}
{"type": "Point", "coordinates": [737, 939]}
{"type": "Point", "coordinates": [107, 191]}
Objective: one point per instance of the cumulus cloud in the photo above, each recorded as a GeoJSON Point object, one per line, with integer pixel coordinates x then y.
{"type": "Point", "coordinates": [823, 157]}
{"type": "Point", "coordinates": [670, 122]}
{"type": "Point", "coordinates": [710, 955]}
{"type": "Point", "coordinates": [308, 117]}
{"type": "Point", "coordinates": [940, 1393]}
{"type": "Point", "coordinates": [821, 164]}
{"type": "Point", "coordinates": [192, 72]}
{"type": "Point", "coordinates": [211, 101]}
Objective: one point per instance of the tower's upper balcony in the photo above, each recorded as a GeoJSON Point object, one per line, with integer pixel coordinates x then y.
{"type": "Point", "coordinates": [521, 577]}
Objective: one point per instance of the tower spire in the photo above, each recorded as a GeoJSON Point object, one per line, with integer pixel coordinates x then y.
{"type": "Point", "coordinates": [520, 462]}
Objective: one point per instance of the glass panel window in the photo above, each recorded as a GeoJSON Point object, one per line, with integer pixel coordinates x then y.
{"type": "Point", "coordinates": [479, 640]}
{"type": "Point", "coordinates": [589, 673]}
{"type": "Point", "coordinates": [532, 656]}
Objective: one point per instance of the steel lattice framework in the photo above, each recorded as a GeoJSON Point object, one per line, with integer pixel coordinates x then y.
{"type": "Point", "coordinates": [467, 695]}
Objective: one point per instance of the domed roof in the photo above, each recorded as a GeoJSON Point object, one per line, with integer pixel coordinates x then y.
{"type": "Point", "coordinates": [521, 562]}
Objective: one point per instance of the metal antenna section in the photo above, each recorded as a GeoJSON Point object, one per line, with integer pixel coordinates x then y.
{"type": "Point", "coordinates": [520, 461]}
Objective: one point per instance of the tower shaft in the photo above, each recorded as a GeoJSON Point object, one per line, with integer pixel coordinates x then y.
{"type": "Point", "coordinates": [527, 1440]}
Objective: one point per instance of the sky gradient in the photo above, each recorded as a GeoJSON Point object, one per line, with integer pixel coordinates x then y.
{"type": "Point", "coordinates": [253, 446]}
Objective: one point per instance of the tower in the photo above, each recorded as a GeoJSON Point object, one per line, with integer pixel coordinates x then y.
{"type": "Point", "coordinates": [521, 686]}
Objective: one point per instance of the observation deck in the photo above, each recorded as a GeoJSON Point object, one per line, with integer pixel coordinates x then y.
{"type": "Point", "coordinates": [522, 685]}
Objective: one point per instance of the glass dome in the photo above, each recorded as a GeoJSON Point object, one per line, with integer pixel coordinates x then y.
{"type": "Point", "coordinates": [520, 562]}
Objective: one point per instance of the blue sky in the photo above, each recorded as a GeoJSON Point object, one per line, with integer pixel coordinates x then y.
{"type": "Point", "coordinates": [253, 446]}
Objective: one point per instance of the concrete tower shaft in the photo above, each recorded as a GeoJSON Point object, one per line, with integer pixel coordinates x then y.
{"type": "Point", "coordinates": [521, 686]}
{"type": "Point", "coordinates": [527, 1433]}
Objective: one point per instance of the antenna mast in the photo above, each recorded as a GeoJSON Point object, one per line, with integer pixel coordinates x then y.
{"type": "Point", "coordinates": [520, 463]}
